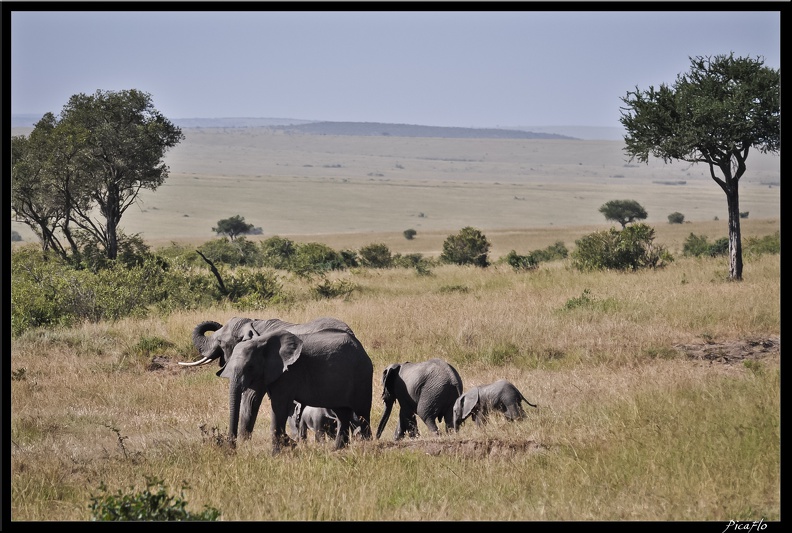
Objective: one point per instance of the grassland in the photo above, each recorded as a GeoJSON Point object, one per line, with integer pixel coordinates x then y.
{"type": "Point", "coordinates": [658, 391]}
{"type": "Point", "coordinates": [306, 185]}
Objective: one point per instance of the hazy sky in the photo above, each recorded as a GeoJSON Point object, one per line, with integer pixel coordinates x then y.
{"type": "Point", "coordinates": [443, 68]}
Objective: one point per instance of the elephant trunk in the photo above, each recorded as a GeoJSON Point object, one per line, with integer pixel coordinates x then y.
{"type": "Point", "coordinates": [199, 336]}
{"type": "Point", "coordinates": [207, 347]}
{"type": "Point", "coordinates": [385, 416]}
{"type": "Point", "coordinates": [234, 402]}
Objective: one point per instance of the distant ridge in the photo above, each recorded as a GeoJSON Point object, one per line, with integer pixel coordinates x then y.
{"type": "Point", "coordinates": [411, 130]}
{"type": "Point", "coordinates": [311, 127]}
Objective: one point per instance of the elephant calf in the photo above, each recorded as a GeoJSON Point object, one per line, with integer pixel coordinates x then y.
{"type": "Point", "coordinates": [322, 421]}
{"type": "Point", "coordinates": [479, 402]}
{"type": "Point", "coordinates": [427, 389]}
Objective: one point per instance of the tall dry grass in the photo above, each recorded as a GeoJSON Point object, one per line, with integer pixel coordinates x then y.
{"type": "Point", "coordinates": [628, 426]}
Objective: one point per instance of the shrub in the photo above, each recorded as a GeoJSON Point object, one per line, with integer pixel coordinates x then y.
{"type": "Point", "coordinates": [769, 244]}
{"type": "Point", "coordinates": [719, 247]}
{"type": "Point", "coordinates": [468, 247]}
{"type": "Point", "coordinates": [695, 245]}
{"type": "Point", "coordinates": [146, 505]}
{"type": "Point", "coordinates": [254, 285]}
{"type": "Point", "coordinates": [333, 289]}
{"type": "Point", "coordinates": [314, 257]}
{"type": "Point", "coordinates": [632, 248]}
{"type": "Point", "coordinates": [234, 253]}
{"type": "Point", "coordinates": [376, 256]}
{"type": "Point", "coordinates": [521, 262]}
{"type": "Point", "coordinates": [743, 214]}
{"type": "Point", "coordinates": [277, 252]}
{"type": "Point", "coordinates": [676, 218]}
{"type": "Point", "coordinates": [409, 234]}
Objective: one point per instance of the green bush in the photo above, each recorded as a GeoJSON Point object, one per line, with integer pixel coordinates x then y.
{"type": "Point", "coordinates": [676, 218]}
{"type": "Point", "coordinates": [255, 286]}
{"type": "Point", "coordinates": [239, 252]}
{"type": "Point", "coordinates": [145, 505]}
{"type": "Point", "coordinates": [468, 247]}
{"type": "Point", "coordinates": [521, 262]}
{"type": "Point", "coordinates": [698, 245]}
{"type": "Point", "coordinates": [277, 252]}
{"type": "Point", "coordinates": [632, 248]}
{"type": "Point", "coordinates": [409, 234]}
{"type": "Point", "coordinates": [769, 244]}
{"type": "Point", "coordinates": [333, 289]}
{"type": "Point", "coordinates": [376, 255]}
{"type": "Point", "coordinates": [719, 247]}
{"type": "Point", "coordinates": [315, 258]}
{"type": "Point", "coordinates": [695, 245]}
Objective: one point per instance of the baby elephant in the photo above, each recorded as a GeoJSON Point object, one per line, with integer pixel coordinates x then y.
{"type": "Point", "coordinates": [478, 402]}
{"type": "Point", "coordinates": [323, 422]}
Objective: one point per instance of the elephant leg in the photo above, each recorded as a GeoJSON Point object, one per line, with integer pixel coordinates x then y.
{"type": "Point", "coordinates": [344, 415]}
{"type": "Point", "coordinates": [514, 412]}
{"type": "Point", "coordinates": [408, 425]}
{"type": "Point", "coordinates": [280, 414]}
{"type": "Point", "coordinates": [250, 405]}
{"type": "Point", "coordinates": [364, 426]}
{"type": "Point", "coordinates": [430, 423]}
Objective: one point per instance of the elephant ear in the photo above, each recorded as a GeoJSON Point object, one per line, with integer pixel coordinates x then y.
{"type": "Point", "coordinates": [247, 332]}
{"type": "Point", "coordinates": [267, 356]}
{"type": "Point", "coordinates": [388, 377]}
{"type": "Point", "coordinates": [281, 350]}
{"type": "Point", "coordinates": [471, 401]}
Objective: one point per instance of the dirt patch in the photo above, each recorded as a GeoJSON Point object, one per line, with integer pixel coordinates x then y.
{"type": "Point", "coordinates": [731, 352]}
{"type": "Point", "coordinates": [468, 448]}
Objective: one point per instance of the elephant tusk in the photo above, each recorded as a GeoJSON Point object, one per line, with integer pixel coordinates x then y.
{"type": "Point", "coordinates": [197, 363]}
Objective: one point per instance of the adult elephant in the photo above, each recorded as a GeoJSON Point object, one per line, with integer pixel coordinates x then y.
{"type": "Point", "coordinates": [320, 363]}
{"type": "Point", "coordinates": [427, 389]}
{"type": "Point", "coordinates": [501, 396]}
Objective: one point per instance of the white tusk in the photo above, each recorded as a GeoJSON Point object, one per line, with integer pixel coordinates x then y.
{"type": "Point", "coordinates": [197, 363]}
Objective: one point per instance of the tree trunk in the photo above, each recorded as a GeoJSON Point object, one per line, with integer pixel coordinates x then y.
{"type": "Point", "coordinates": [735, 239]}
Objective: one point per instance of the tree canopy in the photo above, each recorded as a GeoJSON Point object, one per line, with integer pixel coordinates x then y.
{"type": "Point", "coordinates": [713, 114]}
{"type": "Point", "coordinates": [623, 211]}
{"type": "Point", "coordinates": [232, 227]}
{"type": "Point", "coordinates": [84, 169]}
{"type": "Point", "coordinates": [468, 247]}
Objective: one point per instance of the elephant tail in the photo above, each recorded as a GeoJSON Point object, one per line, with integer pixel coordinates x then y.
{"type": "Point", "coordinates": [385, 416]}
{"type": "Point", "coordinates": [526, 401]}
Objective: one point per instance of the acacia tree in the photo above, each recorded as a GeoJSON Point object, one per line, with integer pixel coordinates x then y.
{"type": "Point", "coordinates": [96, 158]}
{"type": "Point", "coordinates": [232, 227]}
{"type": "Point", "coordinates": [45, 184]}
{"type": "Point", "coordinates": [623, 211]}
{"type": "Point", "coordinates": [713, 114]}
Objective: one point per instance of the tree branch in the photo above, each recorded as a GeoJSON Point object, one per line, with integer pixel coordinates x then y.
{"type": "Point", "coordinates": [215, 272]}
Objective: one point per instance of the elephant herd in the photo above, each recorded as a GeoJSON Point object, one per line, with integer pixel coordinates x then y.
{"type": "Point", "coordinates": [319, 377]}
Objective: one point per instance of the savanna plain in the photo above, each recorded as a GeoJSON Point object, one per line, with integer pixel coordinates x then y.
{"type": "Point", "coordinates": [658, 391]}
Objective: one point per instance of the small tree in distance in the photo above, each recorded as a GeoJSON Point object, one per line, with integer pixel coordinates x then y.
{"type": "Point", "coordinates": [468, 247]}
{"type": "Point", "coordinates": [409, 234]}
{"type": "Point", "coordinates": [676, 218]}
{"type": "Point", "coordinates": [232, 227]}
{"type": "Point", "coordinates": [623, 211]}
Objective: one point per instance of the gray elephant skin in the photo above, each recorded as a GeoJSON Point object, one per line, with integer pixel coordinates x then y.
{"type": "Point", "coordinates": [322, 421]}
{"type": "Point", "coordinates": [501, 396]}
{"type": "Point", "coordinates": [427, 389]}
{"type": "Point", "coordinates": [319, 363]}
